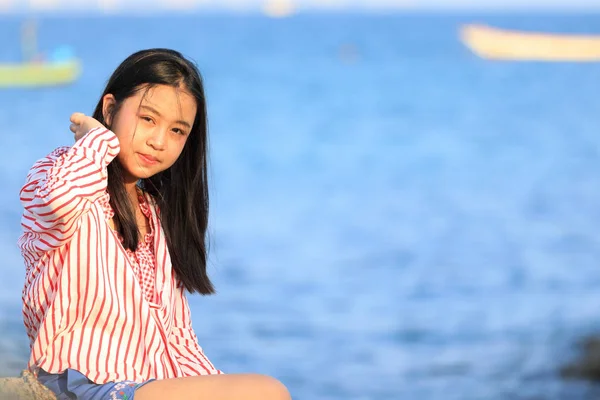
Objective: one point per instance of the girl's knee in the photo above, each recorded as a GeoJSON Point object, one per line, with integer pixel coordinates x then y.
{"type": "Point", "coordinates": [273, 388]}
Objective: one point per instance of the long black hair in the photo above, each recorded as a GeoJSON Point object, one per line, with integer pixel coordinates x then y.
{"type": "Point", "coordinates": [180, 192]}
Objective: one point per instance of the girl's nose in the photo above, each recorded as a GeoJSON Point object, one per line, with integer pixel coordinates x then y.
{"type": "Point", "coordinates": [157, 138]}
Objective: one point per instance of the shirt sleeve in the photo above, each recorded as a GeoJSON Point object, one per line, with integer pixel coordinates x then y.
{"type": "Point", "coordinates": [61, 187]}
{"type": "Point", "coordinates": [184, 342]}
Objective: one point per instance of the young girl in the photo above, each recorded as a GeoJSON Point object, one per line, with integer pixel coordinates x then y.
{"type": "Point", "coordinates": [114, 233]}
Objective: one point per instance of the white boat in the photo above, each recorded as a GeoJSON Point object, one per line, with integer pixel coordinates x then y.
{"type": "Point", "coordinates": [499, 44]}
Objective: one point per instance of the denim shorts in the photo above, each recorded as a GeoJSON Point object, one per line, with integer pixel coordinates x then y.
{"type": "Point", "coordinates": [72, 384]}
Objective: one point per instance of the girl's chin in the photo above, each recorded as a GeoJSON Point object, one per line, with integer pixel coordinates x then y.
{"type": "Point", "coordinates": [141, 173]}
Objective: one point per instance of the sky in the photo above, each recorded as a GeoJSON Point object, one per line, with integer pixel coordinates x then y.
{"type": "Point", "coordinates": [251, 5]}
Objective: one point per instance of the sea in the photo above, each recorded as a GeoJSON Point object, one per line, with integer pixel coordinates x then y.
{"type": "Point", "coordinates": [392, 217]}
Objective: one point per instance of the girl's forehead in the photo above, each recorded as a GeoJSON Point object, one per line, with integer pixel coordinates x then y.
{"type": "Point", "coordinates": [166, 99]}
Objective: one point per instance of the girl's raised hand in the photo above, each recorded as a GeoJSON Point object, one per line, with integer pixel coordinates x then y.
{"type": "Point", "coordinates": [81, 124]}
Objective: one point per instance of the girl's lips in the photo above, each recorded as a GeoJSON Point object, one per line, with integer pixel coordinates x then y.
{"type": "Point", "coordinates": [148, 159]}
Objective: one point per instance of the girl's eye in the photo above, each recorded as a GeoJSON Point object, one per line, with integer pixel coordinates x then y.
{"type": "Point", "coordinates": [178, 131]}
{"type": "Point", "coordinates": [147, 119]}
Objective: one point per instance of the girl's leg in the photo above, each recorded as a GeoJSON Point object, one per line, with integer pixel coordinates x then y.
{"type": "Point", "coordinates": [215, 387]}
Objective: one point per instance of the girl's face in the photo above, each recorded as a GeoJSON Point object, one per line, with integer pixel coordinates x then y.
{"type": "Point", "coordinates": [152, 127]}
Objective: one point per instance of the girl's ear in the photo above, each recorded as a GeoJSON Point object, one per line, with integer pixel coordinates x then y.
{"type": "Point", "coordinates": [108, 107]}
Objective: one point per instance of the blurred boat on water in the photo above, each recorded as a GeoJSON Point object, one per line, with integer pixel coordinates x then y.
{"type": "Point", "coordinates": [278, 8]}
{"type": "Point", "coordinates": [37, 69]}
{"type": "Point", "coordinates": [499, 44]}
{"type": "Point", "coordinates": [39, 74]}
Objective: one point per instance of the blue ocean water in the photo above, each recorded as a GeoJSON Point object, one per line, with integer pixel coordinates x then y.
{"type": "Point", "coordinates": [392, 217]}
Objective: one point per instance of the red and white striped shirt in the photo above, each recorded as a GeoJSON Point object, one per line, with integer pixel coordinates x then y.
{"type": "Point", "coordinates": [83, 305]}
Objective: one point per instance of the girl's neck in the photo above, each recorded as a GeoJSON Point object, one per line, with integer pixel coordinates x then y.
{"type": "Point", "coordinates": [132, 192]}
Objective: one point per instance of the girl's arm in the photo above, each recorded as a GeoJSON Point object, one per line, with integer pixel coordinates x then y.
{"type": "Point", "coordinates": [62, 186]}
{"type": "Point", "coordinates": [184, 342]}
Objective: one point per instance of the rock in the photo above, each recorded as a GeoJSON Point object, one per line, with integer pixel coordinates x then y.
{"type": "Point", "coordinates": [25, 387]}
{"type": "Point", "coordinates": [588, 367]}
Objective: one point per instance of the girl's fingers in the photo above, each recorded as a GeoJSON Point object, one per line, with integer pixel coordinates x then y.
{"type": "Point", "coordinates": [73, 128]}
{"type": "Point", "coordinates": [77, 117]}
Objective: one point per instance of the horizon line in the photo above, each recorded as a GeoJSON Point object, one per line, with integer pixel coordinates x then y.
{"type": "Point", "coordinates": [174, 8]}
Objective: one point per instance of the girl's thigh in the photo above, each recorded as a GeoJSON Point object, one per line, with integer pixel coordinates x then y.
{"type": "Point", "coordinates": [215, 387]}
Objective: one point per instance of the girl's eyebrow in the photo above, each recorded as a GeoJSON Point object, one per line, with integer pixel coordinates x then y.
{"type": "Point", "coordinates": [155, 111]}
